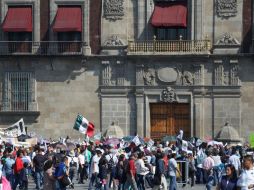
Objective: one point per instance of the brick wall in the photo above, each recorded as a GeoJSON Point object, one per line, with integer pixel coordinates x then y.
{"type": "Point", "coordinates": [95, 25]}
{"type": "Point", "coordinates": [44, 13]}
{"type": "Point", "coordinates": [247, 25]}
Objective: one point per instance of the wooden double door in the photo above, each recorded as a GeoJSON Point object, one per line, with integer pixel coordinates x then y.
{"type": "Point", "coordinates": [169, 118]}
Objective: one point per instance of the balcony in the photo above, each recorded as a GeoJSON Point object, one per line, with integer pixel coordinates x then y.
{"type": "Point", "coordinates": [41, 48]}
{"type": "Point", "coordinates": [169, 47]}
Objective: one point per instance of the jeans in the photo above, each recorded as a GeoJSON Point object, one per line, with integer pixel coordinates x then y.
{"type": "Point", "coordinates": [39, 179]}
{"type": "Point", "coordinates": [141, 182]}
{"type": "Point", "coordinates": [163, 183]}
{"type": "Point", "coordinates": [216, 174]}
{"type": "Point", "coordinates": [10, 178]}
{"type": "Point", "coordinates": [93, 180]}
{"type": "Point", "coordinates": [172, 183]}
{"type": "Point", "coordinates": [17, 180]}
{"type": "Point", "coordinates": [130, 182]}
{"type": "Point", "coordinates": [72, 173]}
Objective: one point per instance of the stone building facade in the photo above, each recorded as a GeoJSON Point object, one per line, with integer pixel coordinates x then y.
{"type": "Point", "coordinates": [122, 73]}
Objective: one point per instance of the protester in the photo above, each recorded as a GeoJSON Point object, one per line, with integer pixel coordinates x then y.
{"type": "Point", "coordinates": [38, 163]}
{"type": "Point", "coordinates": [229, 181]}
{"type": "Point", "coordinates": [142, 170]}
{"type": "Point", "coordinates": [62, 173]}
{"type": "Point", "coordinates": [49, 179]}
{"type": "Point", "coordinates": [246, 179]}
{"type": "Point", "coordinates": [95, 167]}
{"type": "Point", "coordinates": [172, 169]}
{"type": "Point", "coordinates": [73, 165]}
{"type": "Point", "coordinates": [18, 166]}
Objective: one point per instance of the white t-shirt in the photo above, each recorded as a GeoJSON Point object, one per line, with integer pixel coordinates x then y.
{"type": "Point", "coordinates": [74, 159]}
{"type": "Point", "coordinates": [95, 164]}
{"type": "Point", "coordinates": [246, 179]}
{"type": "Point", "coordinates": [235, 160]}
{"type": "Point", "coordinates": [114, 157]}
{"type": "Point", "coordinates": [81, 159]}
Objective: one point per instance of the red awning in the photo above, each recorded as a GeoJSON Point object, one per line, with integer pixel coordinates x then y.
{"type": "Point", "coordinates": [170, 15]}
{"type": "Point", "coordinates": [68, 19]}
{"type": "Point", "coordinates": [18, 19]}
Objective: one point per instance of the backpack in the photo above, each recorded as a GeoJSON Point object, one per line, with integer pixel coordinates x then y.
{"type": "Point", "coordinates": [111, 164]}
{"type": "Point", "coordinates": [72, 163]}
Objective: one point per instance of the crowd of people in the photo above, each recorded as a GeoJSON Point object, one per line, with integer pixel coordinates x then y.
{"type": "Point", "coordinates": [164, 165]}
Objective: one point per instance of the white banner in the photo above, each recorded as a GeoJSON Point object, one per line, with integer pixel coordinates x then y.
{"type": "Point", "coordinates": [16, 129]}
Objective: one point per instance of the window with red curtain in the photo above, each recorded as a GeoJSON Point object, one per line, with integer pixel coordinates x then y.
{"type": "Point", "coordinates": [169, 20]}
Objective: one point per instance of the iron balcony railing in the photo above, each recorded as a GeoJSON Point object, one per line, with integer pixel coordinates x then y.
{"type": "Point", "coordinates": [169, 47]}
{"type": "Point", "coordinates": [41, 48]}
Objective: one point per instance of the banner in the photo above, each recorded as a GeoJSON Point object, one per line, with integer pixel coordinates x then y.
{"type": "Point", "coordinates": [16, 129]}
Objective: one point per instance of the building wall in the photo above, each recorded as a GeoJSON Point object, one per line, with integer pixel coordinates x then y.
{"type": "Point", "coordinates": [64, 88]}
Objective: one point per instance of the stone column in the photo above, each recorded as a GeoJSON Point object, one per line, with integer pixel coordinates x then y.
{"type": "Point", "coordinates": [141, 16]}
{"type": "Point", "coordinates": [140, 114]}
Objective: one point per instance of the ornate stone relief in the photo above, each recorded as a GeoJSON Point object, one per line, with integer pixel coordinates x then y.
{"type": "Point", "coordinates": [149, 76]}
{"type": "Point", "coordinates": [114, 40]}
{"type": "Point", "coordinates": [113, 9]}
{"type": "Point", "coordinates": [177, 75]}
{"type": "Point", "coordinates": [234, 75]}
{"type": "Point", "coordinates": [169, 95]}
{"type": "Point", "coordinates": [226, 8]}
{"type": "Point", "coordinates": [140, 74]}
{"type": "Point", "coordinates": [113, 73]}
{"type": "Point", "coordinates": [227, 39]}
{"type": "Point", "coordinates": [167, 74]}
{"type": "Point", "coordinates": [227, 75]}
{"type": "Point", "coordinates": [198, 76]}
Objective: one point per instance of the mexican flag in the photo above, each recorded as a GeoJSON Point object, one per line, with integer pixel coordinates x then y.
{"type": "Point", "coordinates": [83, 126]}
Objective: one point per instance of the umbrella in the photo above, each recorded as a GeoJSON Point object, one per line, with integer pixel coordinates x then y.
{"type": "Point", "coordinates": [70, 146]}
{"type": "Point", "coordinates": [61, 146]}
{"type": "Point", "coordinates": [114, 141]}
{"type": "Point", "coordinates": [169, 139]}
{"type": "Point", "coordinates": [22, 138]}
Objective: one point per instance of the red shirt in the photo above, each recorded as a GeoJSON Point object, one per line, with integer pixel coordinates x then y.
{"type": "Point", "coordinates": [18, 166]}
{"type": "Point", "coordinates": [132, 167]}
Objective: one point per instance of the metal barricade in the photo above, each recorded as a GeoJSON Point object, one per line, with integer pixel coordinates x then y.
{"type": "Point", "coordinates": [183, 167]}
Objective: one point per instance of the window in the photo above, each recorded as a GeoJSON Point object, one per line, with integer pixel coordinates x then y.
{"type": "Point", "coordinates": [18, 91]}
{"type": "Point", "coordinates": [19, 36]}
{"type": "Point", "coordinates": [169, 20]}
{"type": "Point", "coordinates": [69, 36]}
{"type": "Point", "coordinates": [170, 33]}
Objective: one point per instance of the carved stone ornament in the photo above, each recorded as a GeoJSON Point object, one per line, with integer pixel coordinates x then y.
{"type": "Point", "coordinates": [114, 40]}
{"type": "Point", "coordinates": [169, 95]}
{"type": "Point", "coordinates": [149, 77]}
{"type": "Point", "coordinates": [227, 39]}
{"type": "Point", "coordinates": [167, 74]}
{"type": "Point", "coordinates": [226, 8]}
{"type": "Point", "coordinates": [187, 78]}
{"type": "Point", "coordinates": [113, 9]}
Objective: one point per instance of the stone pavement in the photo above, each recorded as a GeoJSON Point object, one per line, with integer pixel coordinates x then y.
{"type": "Point", "coordinates": [85, 187]}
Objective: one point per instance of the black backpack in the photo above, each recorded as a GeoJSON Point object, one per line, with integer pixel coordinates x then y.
{"type": "Point", "coordinates": [111, 164]}
{"type": "Point", "coordinates": [72, 163]}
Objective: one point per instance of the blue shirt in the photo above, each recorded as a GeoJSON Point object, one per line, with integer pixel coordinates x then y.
{"type": "Point", "coordinates": [60, 170]}
{"type": "Point", "coordinates": [8, 165]}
